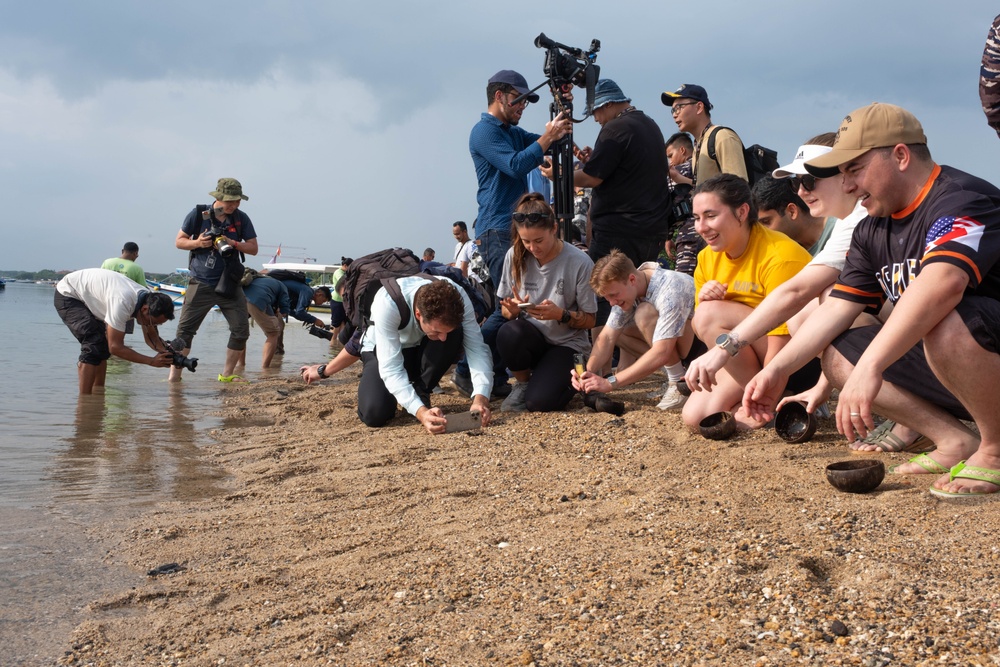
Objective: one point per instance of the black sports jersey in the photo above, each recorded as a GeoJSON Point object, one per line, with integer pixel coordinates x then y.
{"type": "Point", "coordinates": [955, 219]}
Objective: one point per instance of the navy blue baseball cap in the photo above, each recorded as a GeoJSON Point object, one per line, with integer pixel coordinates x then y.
{"type": "Point", "coordinates": [689, 91]}
{"type": "Point", "coordinates": [512, 78]}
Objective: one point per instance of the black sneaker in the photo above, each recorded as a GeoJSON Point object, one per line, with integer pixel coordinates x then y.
{"type": "Point", "coordinates": [463, 383]}
{"type": "Point", "coordinates": [500, 390]}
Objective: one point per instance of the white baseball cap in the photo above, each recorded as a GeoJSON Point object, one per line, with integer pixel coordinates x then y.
{"type": "Point", "coordinates": [798, 165]}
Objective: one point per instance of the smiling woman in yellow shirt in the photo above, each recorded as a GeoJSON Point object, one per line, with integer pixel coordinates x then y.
{"type": "Point", "coordinates": [743, 263]}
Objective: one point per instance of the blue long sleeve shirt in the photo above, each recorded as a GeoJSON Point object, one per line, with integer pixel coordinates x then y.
{"type": "Point", "coordinates": [504, 155]}
{"type": "Point", "coordinates": [301, 296]}
{"type": "Point", "coordinates": [268, 294]}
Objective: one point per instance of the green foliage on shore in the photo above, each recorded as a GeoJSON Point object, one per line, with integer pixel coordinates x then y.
{"type": "Point", "coordinates": [49, 274]}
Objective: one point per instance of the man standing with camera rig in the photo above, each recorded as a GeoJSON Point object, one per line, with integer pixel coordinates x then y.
{"type": "Point", "coordinates": [503, 155]}
{"type": "Point", "coordinates": [213, 235]}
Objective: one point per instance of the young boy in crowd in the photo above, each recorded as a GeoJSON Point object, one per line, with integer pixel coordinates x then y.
{"type": "Point", "coordinates": [683, 243]}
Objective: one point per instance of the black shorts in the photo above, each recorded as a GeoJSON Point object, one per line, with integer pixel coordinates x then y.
{"type": "Point", "coordinates": [86, 327]}
{"type": "Point", "coordinates": [981, 315]}
{"type": "Point", "coordinates": [337, 314]}
{"type": "Point", "coordinates": [910, 372]}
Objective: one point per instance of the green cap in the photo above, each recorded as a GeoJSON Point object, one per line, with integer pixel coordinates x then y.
{"type": "Point", "coordinates": [228, 189]}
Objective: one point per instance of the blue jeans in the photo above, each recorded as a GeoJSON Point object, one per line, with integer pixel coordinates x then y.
{"type": "Point", "coordinates": [493, 246]}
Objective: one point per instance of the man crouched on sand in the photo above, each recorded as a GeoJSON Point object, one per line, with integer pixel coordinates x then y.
{"type": "Point", "coordinates": [650, 322]}
{"type": "Point", "coordinates": [930, 245]}
{"type": "Point", "coordinates": [405, 353]}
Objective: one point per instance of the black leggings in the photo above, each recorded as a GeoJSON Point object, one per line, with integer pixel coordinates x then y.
{"type": "Point", "coordinates": [522, 346]}
{"type": "Point", "coordinates": [425, 365]}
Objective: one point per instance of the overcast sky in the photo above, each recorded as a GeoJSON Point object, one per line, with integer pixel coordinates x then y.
{"type": "Point", "coordinates": [348, 123]}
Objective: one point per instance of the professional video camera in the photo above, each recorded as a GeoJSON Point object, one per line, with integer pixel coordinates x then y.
{"type": "Point", "coordinates": [179, 360]}
{"type": "Point", "coordinates": [569, 65]}
{"type": "Point", "coordinates": [565, 67]}
{"type": "Point", "coordinates": [218, 233]}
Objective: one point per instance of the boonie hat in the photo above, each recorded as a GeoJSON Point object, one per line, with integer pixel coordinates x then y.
{"type": "Point", "coordinates": [228, 189]}
{"type": "Point", "coordinates": [797, 166]}
{"type": "Point", "coordinates": [877, 125]}
{"type": "Point", "coordinates": [688, 90]}
{"type": "Point", "coordinates": [607, 92]}
{"type": "Point", "coordinates": [512, 78]}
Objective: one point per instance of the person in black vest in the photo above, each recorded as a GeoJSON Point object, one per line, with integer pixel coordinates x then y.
{"type": "Point", "coordinates": [208, 265]}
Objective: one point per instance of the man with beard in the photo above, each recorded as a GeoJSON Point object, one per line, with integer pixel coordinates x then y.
{"type": "Point", "coordinates": [503, 154]}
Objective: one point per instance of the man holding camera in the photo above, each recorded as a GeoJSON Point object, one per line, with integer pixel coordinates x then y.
{"type": "Point", "coordinates": [503, 155]}
{"type": "Point", "coordinates": [96, 304]}
{"type": "Point", "coordinates": [213, 235]}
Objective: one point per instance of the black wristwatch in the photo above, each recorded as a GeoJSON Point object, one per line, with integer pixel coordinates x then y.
{"type": "Point", "coordinates": [565, 317]}
{"type": "Point", "coordinates": [322, 371]}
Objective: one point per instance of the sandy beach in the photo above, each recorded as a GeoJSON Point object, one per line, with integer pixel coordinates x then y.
{"type": "Point", "coordinates": [575, 538]}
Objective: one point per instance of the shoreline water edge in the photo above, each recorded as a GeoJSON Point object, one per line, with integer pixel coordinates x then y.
{"type": "Point", "coordinates": [545, 539]}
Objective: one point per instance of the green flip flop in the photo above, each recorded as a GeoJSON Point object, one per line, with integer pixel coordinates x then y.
{"type": "Point", "coordinates": [962, 471]}
{"type": "Point", "coordinates": [925, 462]}
{"type": "Point", "coordinates": [233, 378]}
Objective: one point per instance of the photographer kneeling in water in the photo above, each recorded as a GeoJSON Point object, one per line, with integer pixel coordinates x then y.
{"type": "Point", "coordinates": [96, 304]}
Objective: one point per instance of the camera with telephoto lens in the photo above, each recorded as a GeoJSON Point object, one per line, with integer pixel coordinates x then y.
{"type": "Point", "coordinates": [220, 241]}
{"type": "Point", "coordinates": [321, 332]}
{"type": "Point", "coordinates": [179, 360]}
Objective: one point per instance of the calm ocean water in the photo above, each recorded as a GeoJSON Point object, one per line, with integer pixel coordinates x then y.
{"type": "Point", "coordinates": [70, 463]}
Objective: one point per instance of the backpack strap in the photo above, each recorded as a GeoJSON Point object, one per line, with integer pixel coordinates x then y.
{"type": "Point", "coordinates": [711, 144]}
{"type": "Point", "coordinates": [391, 286]}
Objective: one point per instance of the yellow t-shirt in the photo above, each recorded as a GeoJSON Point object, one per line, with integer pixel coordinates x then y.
{"type": "Point", "coordinates": [770, 259]}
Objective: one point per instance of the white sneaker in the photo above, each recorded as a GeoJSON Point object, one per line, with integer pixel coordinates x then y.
{"type": "Point", "coordinates": [673, 399]}
{"type": "Point", "coordinates": [515, 402]}
{"type": "Point", "coordinates": [659, 392]}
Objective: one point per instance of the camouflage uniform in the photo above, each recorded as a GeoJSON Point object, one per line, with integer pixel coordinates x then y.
{"type": "Point", "coordinates": [989, 77]}
{"type": "Point", "coordinates": [687, 242]}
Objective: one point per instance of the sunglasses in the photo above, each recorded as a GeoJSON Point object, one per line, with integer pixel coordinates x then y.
{"type": "Point", "coordinates": [807, 181]}
{"type": "Point", "coordinates": [530, 217]}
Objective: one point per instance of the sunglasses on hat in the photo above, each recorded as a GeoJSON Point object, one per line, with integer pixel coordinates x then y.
{"type": "Point", "coordinates": [530, 217]}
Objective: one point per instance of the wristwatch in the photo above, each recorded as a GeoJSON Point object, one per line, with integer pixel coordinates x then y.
{"type": "Point", "coordinates": [613, 381]}
{"type": "Point", "coordinates": [730, 342]}
{"type": "Point", "coordinates": [322, 371]}
{"type": "Point", "coordinates": [565, 317]}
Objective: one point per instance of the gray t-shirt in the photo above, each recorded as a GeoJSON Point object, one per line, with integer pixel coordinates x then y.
{"type": "Point", "coordinates": [672, 295]}
{"type": "Point", "coordinates": [565, 281]}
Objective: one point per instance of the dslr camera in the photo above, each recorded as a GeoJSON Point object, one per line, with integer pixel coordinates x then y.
{"type": "Point", "coordinates": [218, 233]}
{"type": "Point", "coordinates": [179, 360]}
{"type": "Point", "coordinates": [320, 332]}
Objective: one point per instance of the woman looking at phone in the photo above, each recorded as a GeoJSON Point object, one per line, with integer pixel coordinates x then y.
{"type": "Point", "coordinates": [547, 299]}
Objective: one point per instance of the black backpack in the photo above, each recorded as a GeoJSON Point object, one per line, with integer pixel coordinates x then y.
{"type": "Point", "coordinates": [287, 274]}
{"type": "Point", "coordinates": [364, 279]}
{"type": "Point", "coordinates": [759, 160]}
{"type": "Point", "coordinates": [479, 302]}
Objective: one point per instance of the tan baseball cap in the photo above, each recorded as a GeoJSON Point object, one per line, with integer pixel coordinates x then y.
{"type": "Point", "coordinates": [875, 126]}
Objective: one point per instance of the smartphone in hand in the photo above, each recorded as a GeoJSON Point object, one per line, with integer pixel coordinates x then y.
{"type": "Point", "coordinates": [463, 421]}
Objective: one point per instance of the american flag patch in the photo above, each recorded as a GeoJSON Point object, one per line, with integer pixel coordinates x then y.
{"type": "Point", "coordinates": [949, 229]}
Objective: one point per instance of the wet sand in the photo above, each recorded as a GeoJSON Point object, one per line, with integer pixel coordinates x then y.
{"type": "Point", "coordinates": [562, 539]}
